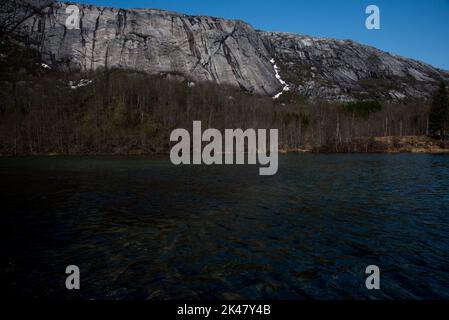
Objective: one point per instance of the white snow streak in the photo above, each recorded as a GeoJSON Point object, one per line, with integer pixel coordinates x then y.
{"type": "Point", "coordinates": [278, 76]}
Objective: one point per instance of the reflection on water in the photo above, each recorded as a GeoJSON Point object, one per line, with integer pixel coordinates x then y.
{"type": "Point", "coordinates": [140, 228]}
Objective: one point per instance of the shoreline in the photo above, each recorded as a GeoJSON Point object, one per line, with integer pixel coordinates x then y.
{"type": "Point", "coordinates": [375, 145]}
{"type": "Point", "coordinates": [281, 152]}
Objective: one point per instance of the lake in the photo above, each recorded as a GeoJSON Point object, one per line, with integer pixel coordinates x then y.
{"type": "Point", "coordinates": [141, 228]}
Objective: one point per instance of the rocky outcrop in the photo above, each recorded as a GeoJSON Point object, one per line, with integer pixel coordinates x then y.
{"type": "Point", "coordinates": [345, 70]}
{"type": "Point", "coordinates": [230, 52]}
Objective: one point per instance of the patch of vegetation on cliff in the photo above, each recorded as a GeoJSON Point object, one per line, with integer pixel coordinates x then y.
{"type": "Point", "coordinates": [16, 62]}
{"type": "Point", "coordinates": [295, 73]}
{"type": "Point", "coordinates": [374, 86]}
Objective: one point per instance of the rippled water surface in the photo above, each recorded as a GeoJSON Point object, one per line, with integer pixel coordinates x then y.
{"type": "Point", "coordinates": [140, 228]}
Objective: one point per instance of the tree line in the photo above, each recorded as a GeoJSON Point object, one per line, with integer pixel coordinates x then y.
{"type": "Point", "coordinates": [127, 112]}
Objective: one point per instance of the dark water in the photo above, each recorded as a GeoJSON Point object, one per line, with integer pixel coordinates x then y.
{"type": "Point", "coordinates": [140, 228]}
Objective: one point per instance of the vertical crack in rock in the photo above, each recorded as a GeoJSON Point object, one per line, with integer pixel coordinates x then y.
{"type": "Point", "coordinates": [233, 63]}
{"type": "Point", "coordinates": [94, 39]}
{"type": "Point", "coordinates": [191, 40]}
{"type": "Point", "coordinates": [121, 23]}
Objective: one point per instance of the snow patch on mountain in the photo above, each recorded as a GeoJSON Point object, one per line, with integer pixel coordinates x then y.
{"type": "Point", "coordinates": [278, 76]}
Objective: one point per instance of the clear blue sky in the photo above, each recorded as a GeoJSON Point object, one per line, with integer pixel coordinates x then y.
{"type": "Point", "coordinates": [415, 28]}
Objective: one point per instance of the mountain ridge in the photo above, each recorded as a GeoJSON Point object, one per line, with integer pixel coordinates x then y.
{"type": "Point", "coordinates": [355, 42]}
{"type": "Point", "coordinates": [232, 52]}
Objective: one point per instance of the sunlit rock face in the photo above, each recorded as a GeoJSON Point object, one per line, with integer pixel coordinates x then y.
{"type": "Point", "coordinates": [346, 70]}
{"type": "Point", "coordinates": [199, 48]}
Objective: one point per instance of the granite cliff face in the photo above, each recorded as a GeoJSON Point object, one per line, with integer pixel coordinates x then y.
{"type": "Point", "coordinates": [201, 48]}
{"type": "Point", "coordinates": [198, 48]}
{"type": "Point", "coordinates": [344, 69]}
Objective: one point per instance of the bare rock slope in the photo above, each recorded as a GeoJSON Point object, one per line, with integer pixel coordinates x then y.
{"type": "Point", "coordinates": [200, 48]}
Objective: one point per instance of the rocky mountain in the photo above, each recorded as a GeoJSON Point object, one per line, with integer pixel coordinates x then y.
{"type": "Point", "coordinates": [199, 48]}
{"type": "Point", "coordinates": [344, 69]}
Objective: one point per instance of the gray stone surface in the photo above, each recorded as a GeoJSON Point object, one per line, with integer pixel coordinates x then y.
{"type": "Point", "coordinates": [344, 69]}
{"type": "Point", "coordinates": [230, 52]}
